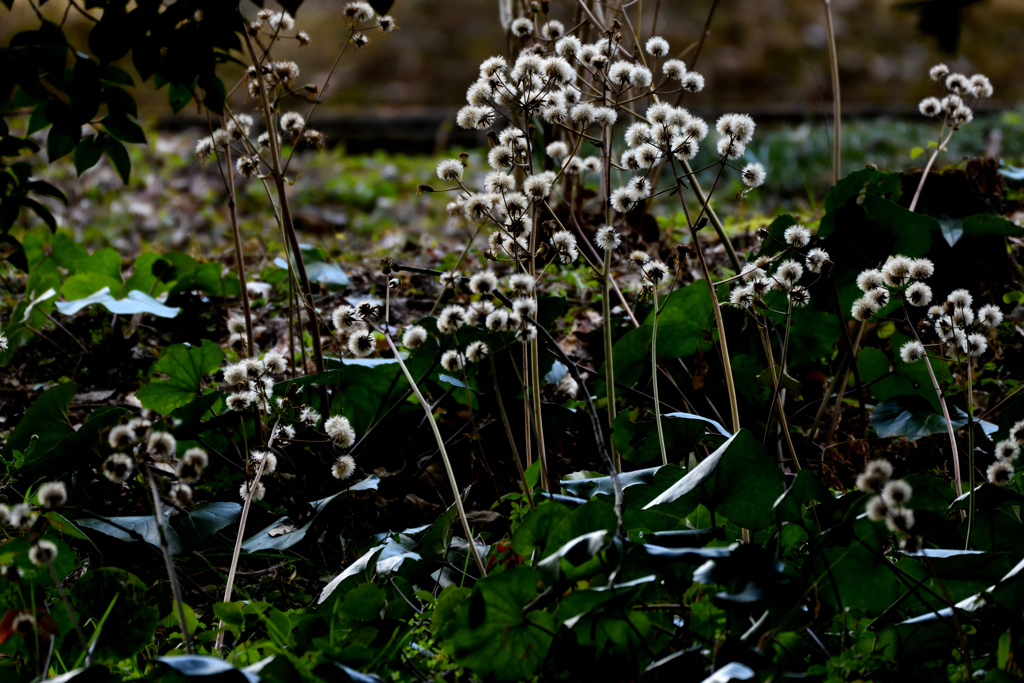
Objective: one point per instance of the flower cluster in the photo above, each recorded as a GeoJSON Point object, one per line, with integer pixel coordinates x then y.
{"type": "Point", "coordinates": [958, 327]}
{"type": "Point", "coordinates": [138, 437]}
{"type": "Point", "coordinates": [252, 381]}
{"type": "Point", "coordinates": [891, 497]}
{"type": "Point", "coordinates": [354, 323]}
{"type": "Point", "coordinates": [23, 516]}
{"type": "Point", "coordinates": [1007, 451]}
{"type": "Point", "coordinates": [781, 273]}
{"type": "Point", "coordinates": [580, 90]}
{"type": "Point", "coordinates": [900, 277]}
{"type": "Point", "coordinates": [963, 94]}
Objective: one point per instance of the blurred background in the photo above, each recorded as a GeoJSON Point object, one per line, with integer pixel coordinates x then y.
{"type": "Point", "coordinates": [389, 112]}
{"type": "Point", "coordinates": [766, 56]}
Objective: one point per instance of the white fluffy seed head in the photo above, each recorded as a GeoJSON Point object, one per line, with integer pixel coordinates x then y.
{"type": "Point", "coordinates": [797, 236]}
{"type": "Point", "coordinates": [607, 238]}
{"type": "Point", "coordinates": [674, 69]}
{"type": "Point", "coordinates": [870, 279]}
{"type": "Point", "coordinates": [343, 467]}
{"type": "Point", "coordinates": [413, 337]}
{"type": "Point", "coordinates": [339, 429]}
{"type": "Point", "coordinates": [449, 169]}
{"type": "Point", "coordinates": [657, 46]}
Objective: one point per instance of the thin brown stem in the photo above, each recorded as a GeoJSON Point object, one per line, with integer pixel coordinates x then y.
{"type": "Point", "coordinates": [833, 59]}
{"type": "Point", "coordinates": [229, 178]}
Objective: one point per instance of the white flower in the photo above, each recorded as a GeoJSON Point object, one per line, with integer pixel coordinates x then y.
{"type": "Point", "coordinates": [292, 123]}
{"type": "Point", "coordinates": [870, 279]}
{"type": "Point", "coordinates": [117, 467]}
{"type": "Point", "coordinates": [204, 148]}
{"type": "Point", "coordinates": [789, 271]}
{"type": "Point", "coordinates": [1000, 472]}
{"type": "Point", "coordinates": [557, 150]}
{"type": "Point", "coordinates": [919, 294]}
{"type": "Point", "coordinates": [449, 169]}
{"type": "Point", "coordinates": [413, 337]}
{"type": "Point", "coordinates": [452, 317]}
{"type": "Point", "coordinates": [896, 271]}
{"type": "Point", "coordinates": [343, 467]}
{"type": "Point", "coordinates": [674, 69]}
{"type": "Point", "coordinates": [121, 437]}
{"type": "Point", "coordinates": [990, 316]}
{"type": "Point", "coordinates": [657, 47]}
{"type": "Point", "coordinates": [521, 283]}
{"type": "Point", "coordinates": [930, 106]}
{"type": "Point", "coordinates": [975, 345]}
{"type": "Point", "coordinates": [1007, 450]}
{"type": "Point", "coordinates": [797, 236]}
{"type": "Point", "coordinates": [309, 417]}
{"type": "Point", "coordinates": [960, 298]}
{"type": "Point", "coordinates": [161, 444]}
{"type": "Point", "coordinates": [476, 351]}
{"type": "Point", "coordinates": [564, 243]}
{"type": "Point", "coordinates": [452, 360]}
{"type": "Point", "coordinates": [258, 491]}
{"type": "Point", "coordinates": [896, 493]}
{"type": "Point", "coordinates": [921, 268]}
{"type": "Point", "coordinates": [340, 431]}
{"type": "Point", "coordinates": [497, 321]}
{"type": "Point", "coordinates": [753, 175]}
{"type": "Point", "coordinates": [362, 343]}
{"type": "Point", "coordinates": [483, 282]}
{"type": "Point", "coordinates": [522, 27]}
{"type": "Point", "coordinates": [53, 494]}
{"type": "Point", "coordinates": [537, 186]}
{"type": "Point", "coordinates": [607, 238]}
{"type": "Point", "coordinates": [911, 352]}
{"type": "Point", "coordinates": [816, 258]}
{"type": "Point", "coordinates": [270, 458]}
{"type": "Point", "coordinates": [42, 553]}
{"type": "Point", "coordinates": [730, 148]}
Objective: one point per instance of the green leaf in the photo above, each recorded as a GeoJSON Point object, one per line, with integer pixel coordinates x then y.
{"type": "Point", "coordinates": [865, 579]}
{"type": "Point", "coordinates": [134, 303]}
{"type": "Point", "coordinates": [283, 533]}
{"type": "Point", "coordinates": [532, 534]}
{"type": "Point", "coordinates": [872, 364]}
{"type": "Point", "coordinates": [124, 129]}
{"type": "Point", "coordinates": [588, 488]}
{"type": "Point", "coordinates": [88, 152]}
{"type": "Point", "coordinates": [738, 480]}
{"type": "Point", "coordinates": [494, 637]}
{"type": "Point", "coordinates": [230, 613]}
{"type": "Point", "coordinates": [685, 325]}
{"type": "Point", "coordinates": [61, 140]}
{"type": "Point", "coordinates": [987, 224]}
{"type": "Point", "coordinates": [911, 233]}
{"type": "Point", "coordinates": [155, 274]}
{"type": "Point", "coordinates": [913, 417]}
{"type": "Point", "coordinates": [118, 156]}
{"type": "Point", "coordinates": [916, 152]}
{"type": "Point", "coordinates": [206, 520]}
{"type": "Point", "coordinates": [17, 552]}
{"type": "Point", "coordinates": [72, 446]}
{"type": "Point", "coordinates": [185, 368]}
{"type": "Point", "coordinates": [133, 528]}
{"type": "Point", "coordinates": [62, 525]}
{"type": "Point", "coordinates": [87, 284]}
{"type": "Point", "coordinates": [46, 421]}
{"type": "Point", "coordinates": [580, 557]}
{"type": "Point", "coordinates": [130, 625]}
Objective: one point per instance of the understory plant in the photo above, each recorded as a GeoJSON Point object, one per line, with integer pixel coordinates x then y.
{"type": "Point", "coordinates": [599, 436]}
